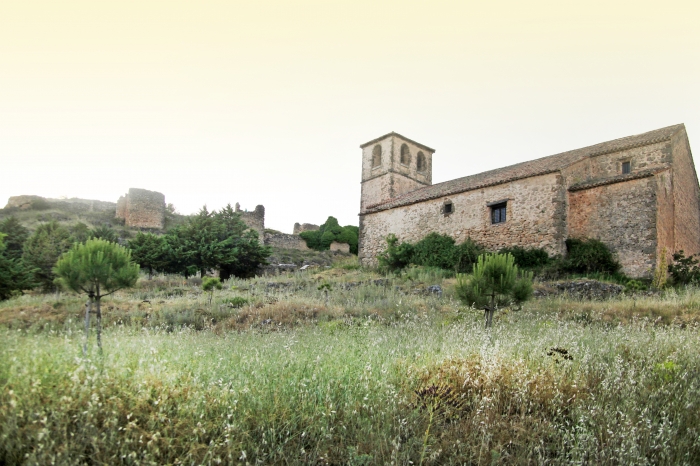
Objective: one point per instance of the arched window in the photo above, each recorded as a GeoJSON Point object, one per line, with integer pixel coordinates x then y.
{"type": "Point", "coordinates": [421, 163]}
{"type": "Point", "coordinates": [376, 156]}
{"type": "Point", "coordinates": [405, 155]}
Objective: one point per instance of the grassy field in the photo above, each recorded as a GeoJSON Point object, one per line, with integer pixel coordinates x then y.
{"type": "Point", "coordinates": [344, 366]}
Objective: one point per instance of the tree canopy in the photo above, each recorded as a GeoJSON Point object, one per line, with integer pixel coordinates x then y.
{"type": "Point", "coordinates": [330, 231]}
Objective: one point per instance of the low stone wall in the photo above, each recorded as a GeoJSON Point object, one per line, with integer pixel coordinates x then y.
{"type": "Point", "coordinates": [73, 204]}
{"type": "Point", "coordinates": [285, 241]}
{"type": "Point", "coordinates": [340, 247]}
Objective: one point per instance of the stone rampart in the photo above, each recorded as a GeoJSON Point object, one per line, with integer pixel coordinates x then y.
{"type": "Point", "coordinates": [145, 209]}
{"type": "Point", "coordinates": [302, 227]}
{"type": "Point", "coordinates": [255, 220]}
{"type": "Point", "coordinates": [285, 241]}
{"type": "Point", "coordinates": [121, 208]}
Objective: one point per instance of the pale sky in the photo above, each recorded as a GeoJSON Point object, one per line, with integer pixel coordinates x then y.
{"type": "Point", "coordinates": [267, 102]}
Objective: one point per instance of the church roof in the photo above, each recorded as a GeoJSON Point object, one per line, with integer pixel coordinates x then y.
{"type": "Point", "coordinates": [542, 166]}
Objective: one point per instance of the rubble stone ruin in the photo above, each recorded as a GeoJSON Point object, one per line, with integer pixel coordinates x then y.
{"type": "Point", "coordinates": [300, 228]}
{"type": "Point", "coordinates": [141, 208]}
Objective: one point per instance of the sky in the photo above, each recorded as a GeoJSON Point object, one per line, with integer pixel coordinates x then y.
{"type": "Point", "coordinates": [267, 102]}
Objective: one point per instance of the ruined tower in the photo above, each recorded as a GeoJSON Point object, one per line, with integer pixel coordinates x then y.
{"type": "Point", "coordinates": [393, 165]}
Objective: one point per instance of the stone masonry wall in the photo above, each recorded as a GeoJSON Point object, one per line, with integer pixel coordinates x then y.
{"type": "Point", "coordinates": [300, 228]}
{"type": "Point", "coordinates": [255, 220]}
{"type": "Point", "coordinates": [145, 209]}
{"type": "Point", "coordinates": [285, 241]}
{"type": "Point", "coordinates": [686, 196]}
{"type": "Point", "coordinates": [121, 208]}
{"type": "Point", "coordinates": [535, 212]}
{"type": "Point", "coordinates": [665, 230]}
{"type": "Point", "coordinates": [623, 216]}
{"type": "Point", "coordinates": [340, 247]}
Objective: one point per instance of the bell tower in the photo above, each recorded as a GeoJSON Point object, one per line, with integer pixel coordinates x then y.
{"type": "Point", "coordinates": [393, 165]}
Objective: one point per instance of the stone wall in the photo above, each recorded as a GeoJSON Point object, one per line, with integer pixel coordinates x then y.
{"type": "Point", "coordinates": [340, 247]}
{"type": "Point", "coordinates": [535, 210]}
{"type": "Point", "coordinates": [300, 228]}
{"type": "Point", "coordinates": [121, 208]}
{"type": "Point", "coordinates": [144, 209]}
{"type": "Point", "coordinates": [285, 241]}
{"type": "Point", "coordinates": [255, 220]}
{"type": "Point", "coordinates": [686, 194]}
{"type": "Point", "coordinates": [623, 216]}
{"type": "Point", "coordinates": [391, 178]}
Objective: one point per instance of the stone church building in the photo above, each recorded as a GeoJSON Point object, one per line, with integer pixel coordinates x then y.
{"type": "Point", "coordinates": [637, 194]}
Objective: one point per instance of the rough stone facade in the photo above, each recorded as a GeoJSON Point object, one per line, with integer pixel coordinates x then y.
{"type": "Point", "coordinates": [300, 228]}
{"type": "Point", "coordinates": [141, 208]}
{"type": "Point", "coordinates": [639, 195]}
{"type": "Point", "coordinates": [340, 247]}
{"type": "Point", "coordinates": [285, 241]}
{"type": "Point", "coordinates": [255, 220]}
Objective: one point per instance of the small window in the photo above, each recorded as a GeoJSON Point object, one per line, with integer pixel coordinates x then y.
{"type": "Point", "coordinates": [376, 156]}
{"type": "Point", "coordinates": [626, 167]}
{"type": "Point", "coordinates": [421, 164]}
{"type": "Point", "coordinates": [498, 213]}
{"type": "Point", "coordinates": [405, 155]}
{"type": "Point", "coordinates": [448, 208]}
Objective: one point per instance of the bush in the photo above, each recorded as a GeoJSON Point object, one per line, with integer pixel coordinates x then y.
{"type": "Point", "coordinates": [397, 256]}
{"type": "Point", "coordinates": [330, 231]}
{"type": "Point", "coordinates": [530, 258]}
{"type": "Point", "coordinates": [684, 270]}
{"type": "Point", "coordinates": [589, 255]}
{"type": "Point", "coordinates": [435, 250]}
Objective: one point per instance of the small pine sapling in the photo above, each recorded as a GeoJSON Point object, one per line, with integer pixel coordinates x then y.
{"type": "Point", "coordinates": [210, 284]}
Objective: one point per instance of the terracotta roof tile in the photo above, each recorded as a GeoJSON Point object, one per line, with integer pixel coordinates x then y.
{"type": "Point", "coordinates": [542, 166]}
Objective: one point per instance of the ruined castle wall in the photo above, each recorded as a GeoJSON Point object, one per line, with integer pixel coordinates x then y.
{"type": "Point", "coordinates": [535, 218]}
{"type": "Point", "coordinates": [121, 208]}
{"type": "Point", "coordinates": [255, 220]}
{"type": "Point", "coordinates": [686, 196]}
{"type": "Point", "coordinates": [145, 209]}
{"type": "Point", "coordinates": [623, 216]}
{"type": "Point", "coordinates": [300, 228]}
{"type": "Point", "coordinates": [285, 241]}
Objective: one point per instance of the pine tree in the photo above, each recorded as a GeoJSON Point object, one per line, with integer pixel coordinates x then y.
{"type": "Point", "coordinates": [97, 268]}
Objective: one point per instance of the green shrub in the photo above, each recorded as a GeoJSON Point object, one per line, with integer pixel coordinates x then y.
{"type": "Point", "coordinates": [235, 302]}
{"type": "Point", "coordinates": [397, 256]}
{"type": "Point", "coordinates": [529, 258]}
{"type": "Point", "coordinates": [589, 255]}
{"type": "Point", "coordinates": [684, 270]}
{"type": "Point", "coordinates": [466, 255]}
{"type": "Point", "coordinates": [435, 250]}
{"type": "Point", "coordinates": [330, 231]}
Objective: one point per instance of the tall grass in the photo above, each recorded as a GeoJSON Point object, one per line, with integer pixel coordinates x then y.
{"type": "Point", "coordinates": [357, 392]}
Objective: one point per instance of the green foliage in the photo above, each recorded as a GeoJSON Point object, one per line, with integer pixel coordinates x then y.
{"type": "Point", "coordinates": [97, 267]}
{"type": "Point", "coordinates": [684, 270]}
{"type": "Point", "coordinates": [330, 231]}
{"type": "Point", "coordinates": [434, 250]}
{"type": "Point", "coordinates": [106, 233]}
{"type": "Point", "coordinates": [635, 285]}
{"type": "Point", "coordinates": [14, 276]}
{"type": "Point", "coordinates": [42, 250]}
{"type": "Point", "coordinates": [235, 302]}
{"type": "Point", "coordinates": [16, 235]}
{"type": "Point", "coordinates": [589, 255]}
{"type": "Point", "coordinates": [214, 240]}
{"type": "Point", "coordinates": [80, 233]}
{"type": "Point", "coordinates": [211, 283]}
{"type": "Point", "coordinates": [397, 256]}
{"type": "Point", "coordinates": [529, 258]}
{"type": "Point", "coordinates": [149, 251]}
{"type": "Point", "coordinates": [495, 283]}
